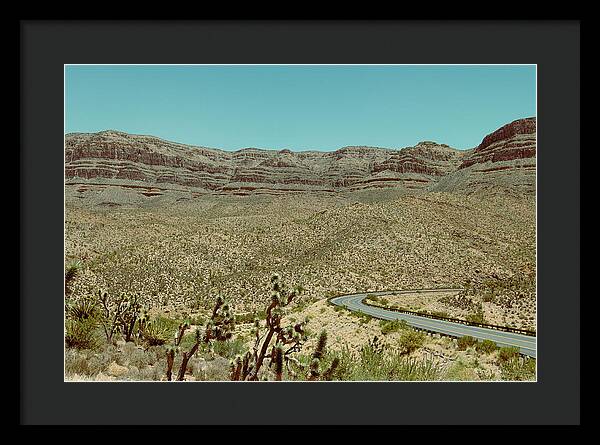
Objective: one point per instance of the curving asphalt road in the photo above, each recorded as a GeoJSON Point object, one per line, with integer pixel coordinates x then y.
{"type": "Point", "coordinates": [525, 343]}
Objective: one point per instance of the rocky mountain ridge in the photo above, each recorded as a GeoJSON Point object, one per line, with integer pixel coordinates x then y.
{"type": "Point", "coordinates": [150, 166]}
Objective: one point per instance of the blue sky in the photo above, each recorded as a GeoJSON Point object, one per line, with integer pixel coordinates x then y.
{"type": "Point", "coordinates": [301, 107]}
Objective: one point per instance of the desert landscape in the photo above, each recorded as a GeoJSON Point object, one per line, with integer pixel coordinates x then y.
{"type": "Point", "coordinates": [193, 263]}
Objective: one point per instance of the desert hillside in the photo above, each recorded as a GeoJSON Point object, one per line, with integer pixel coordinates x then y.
{"type": "Point", "coordinates": [112, 167]}
{"type": "Point", "coordinates": [330, 245]}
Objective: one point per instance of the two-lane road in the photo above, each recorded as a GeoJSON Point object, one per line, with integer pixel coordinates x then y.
{"type": "Point", "coordinates": [525, 343]}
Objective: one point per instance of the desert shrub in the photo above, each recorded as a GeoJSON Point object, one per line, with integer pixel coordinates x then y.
{"type": "Point", "coordinates": [370, 363]}
{"type": "Point", "coordinates": [155, 354]}
{"type": "Point", "coordinates": [346, 362]}
{"type": "Point", "coordinates": [155, 371]}
{"type": "Point", "coordinates": [489, 297]}
{"type": "Point", "coordinates": [138, 357]}
{"type": "Point", "coordinates": [320, 365]}
{"type": "Point", "coordinates": [486, 346]}
{"type": "Point", "coordinates": [372, 297]}
{"type": "Point", "coordinates": [188, 340]}
{"type": "Point", "coordinates": [374, 362]}
{"type": "Point", "coordinates": [249, 317]}
{"type": "Point", "coordinates": [483, 374]}
{"type": "Point", "coordinates": [216, 369]}
{"type": "Point", "coordinates": [82, 309]}
{"type": "Point", "coordinates": [197, 320]}
{"type": "Point", "coordinates": [157, 331]}
{"type": "Point", "coordinates": [507, 353]}
{"type": "Point", "coordinates": [229, 348]}
{"type": "Point", "coordinates": [477, 315]}
{"type": "Point", "coordinates": [363, 318]}
{"type": "Point", "coordinates": [389, 326]}
{"type": "Point", "coordinates": [150, 373]}
{"type": "Point", "coordinates": [72, 270]}
{"type": "Point", "coordinates": [99, 361]}
{"type": "Point", "coordinates": [411, 340]}
{"type": "Point", "coordinates": [300, 306]}
{"type": "Point", "coordinates": [460, 300]}
{"type": "Point", "coordinates": [81, 334]}
{"type": "Point", "coordinates": [133, 373]}
{"type": "Point", "coordinates": [441, 314]}
{"type": "Point", "coordinates": [412, 369]}
{"type": "Point", "coordinates": [465, 342]}
{"type": "Point", "coordinates": [460, 370]}
{"type": "Point", "coordinates": [90, 362]}
{"type": "Point", "coordinates": [517, 369]}
{"type": "Point", "coordinates": [76, 363]}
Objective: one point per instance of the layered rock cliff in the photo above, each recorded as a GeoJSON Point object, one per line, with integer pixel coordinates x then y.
{"type": "Point", "coordinates": [505, 160]}
{"type": "Point", "coordinates": [151, 166]}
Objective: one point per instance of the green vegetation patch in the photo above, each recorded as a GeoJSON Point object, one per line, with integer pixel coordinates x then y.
{"type": "Point", "coordinates": [518, 369]}
{"type": "Point", "coordinates": [376, 361]}
{"type": "Point", "coordinates": [486, 346]}
{"type": "Point", "coordinates": [508, 353]}
{"type": "Point", "coordinates": [390, 326]}
{"type": "Point", "coordinates": [411, 340]}
{"type": "Point", "coordinates": [465, 342]}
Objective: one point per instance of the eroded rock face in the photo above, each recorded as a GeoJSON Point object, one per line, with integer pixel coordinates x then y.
{"type": "Point", "coordinates": [504, 161]}
{"type": "Point", "coordinates": [153, 165]}
{"type": "Point", "coordinates": [516, 140]}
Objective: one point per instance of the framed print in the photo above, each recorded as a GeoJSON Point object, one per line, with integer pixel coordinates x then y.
{"type": "Point", "coordinates": [342, 224]}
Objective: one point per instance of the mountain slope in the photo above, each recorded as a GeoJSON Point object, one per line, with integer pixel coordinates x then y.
{"type": "Point", "coordinates": [148, 167]}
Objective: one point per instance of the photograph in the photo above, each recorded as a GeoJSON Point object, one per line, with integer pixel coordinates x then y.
{"type": "Point", "coordinates": [300, 223]}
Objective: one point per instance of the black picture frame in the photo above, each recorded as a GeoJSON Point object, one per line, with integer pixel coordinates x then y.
{"type": "Point", "coordinates": [45, 46]}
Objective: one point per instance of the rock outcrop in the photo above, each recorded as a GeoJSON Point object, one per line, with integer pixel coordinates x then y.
{"type": "Point", "coordinates": [150, 166]}
{"type": "Point", "coordinates": [505, 160]}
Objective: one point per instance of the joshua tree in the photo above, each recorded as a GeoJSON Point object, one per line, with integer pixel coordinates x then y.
{"type": "Point", "coordinates": [317, 356]}
{"type": "Point", "coordinates": [275, 342]}
{"type": "Point", "coordinates": [219, 327]}
{"type": "Point", "coordinates": [313, 370]}
{"type": "Point", "coordinates": [131, 313]}
{"type": "Point", "coordinates": [119, 314]}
